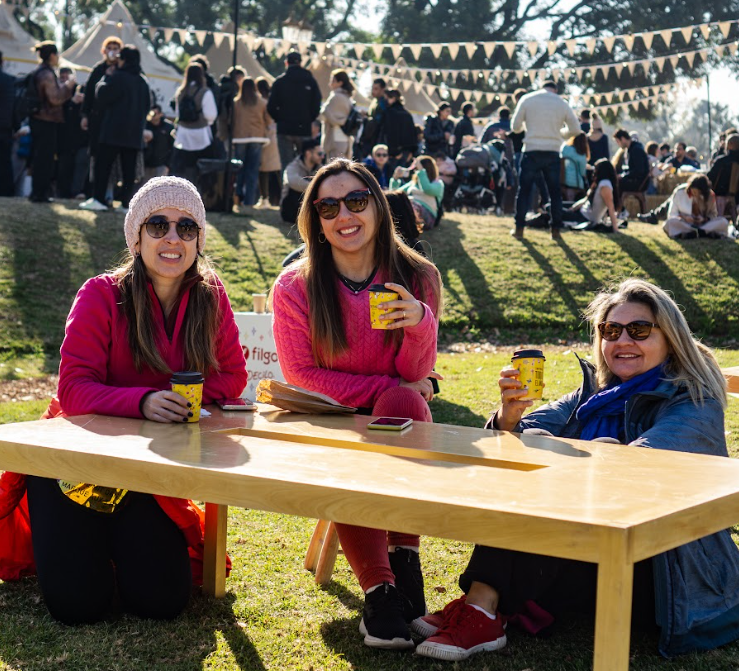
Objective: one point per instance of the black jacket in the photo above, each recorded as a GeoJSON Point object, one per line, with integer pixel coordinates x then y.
{"type": "Point", "coordinates": [720, 172]}
{"type": "Point", "coordinates": [7, 96]}
{"type": "Point", "coordinates": [399, 131]}
{"type": "Point", "coordinates": [295, 101]}
{"type": "Point", "coordinates": [637, 166]}
{"type": "Point", "coordinates": [434, 134]}
{"type": "Point", "coordinates": [124, 100]}
{"type": "Point", "coordinates": [90, 108]}
{"type": "Point", "coordinates": [159, 149]}
{"type": "Point", "coordinates": [464, 127]}
{"type": "Point", "coordinates": [71, 136]}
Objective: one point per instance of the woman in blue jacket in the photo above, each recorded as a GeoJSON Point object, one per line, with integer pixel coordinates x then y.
{"type": "Point", "coordinates": [652, 385]}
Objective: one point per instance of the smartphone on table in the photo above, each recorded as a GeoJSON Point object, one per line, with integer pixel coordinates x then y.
{"type": "Point", "coordinates": [236, 404]}
{"type": "Point", "coordinates": [390, 423]}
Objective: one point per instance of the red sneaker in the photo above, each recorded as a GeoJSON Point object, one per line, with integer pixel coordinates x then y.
{"type": "Point", "coordinates": [465, 632]}
{"type": "Point", "coordinates": [429, 624]}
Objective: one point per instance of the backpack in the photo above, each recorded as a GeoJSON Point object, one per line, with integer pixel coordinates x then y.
{"type": "Point", "coordinates": [352, 123]}
{"type": "Point", "coordinates": [26, 100]}
{"type": "Point", "coordinates": [189, 112]}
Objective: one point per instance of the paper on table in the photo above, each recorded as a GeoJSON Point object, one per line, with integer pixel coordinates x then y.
{"type": "Point", "coordinates": [296, 399]}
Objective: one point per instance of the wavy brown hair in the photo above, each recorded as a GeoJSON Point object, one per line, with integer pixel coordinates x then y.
{"type": "Point", "coordinates": [395, 261]}
{"type": "Point", "coordinates": [200, 327]}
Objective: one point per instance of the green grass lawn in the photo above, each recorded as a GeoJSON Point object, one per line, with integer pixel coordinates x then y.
{"type": "Point", "coordinates": [274, 616]}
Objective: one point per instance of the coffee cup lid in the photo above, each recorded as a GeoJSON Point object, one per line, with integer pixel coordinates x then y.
{"type": "Point", "coordinates": [187, 377]}
{"type": "Point", "coordinates": [528, 354]}
{"type": "Point", "coordinates": [379, 287]}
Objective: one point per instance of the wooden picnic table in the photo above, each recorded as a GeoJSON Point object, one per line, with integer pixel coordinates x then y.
{"type": "Point", "coordinates": [732, 379]}
{"type": "Point", "coordinates": [609, 504]}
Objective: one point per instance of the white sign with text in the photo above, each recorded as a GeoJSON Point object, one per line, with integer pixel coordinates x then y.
{"type": "Point", "coordinates": [258, 343]}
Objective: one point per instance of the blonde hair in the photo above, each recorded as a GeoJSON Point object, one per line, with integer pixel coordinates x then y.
{"type": "Point", "coordinates": [691, 364]}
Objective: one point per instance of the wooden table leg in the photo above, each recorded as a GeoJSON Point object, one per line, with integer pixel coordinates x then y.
{"type": "Point", "coordinates": [613, 607]}
{"type": "Point", "coordinates": [214, 561]}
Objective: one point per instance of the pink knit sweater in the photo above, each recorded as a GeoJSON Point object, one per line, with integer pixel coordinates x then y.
{"type": "Point", "coordinates": [368, 366]}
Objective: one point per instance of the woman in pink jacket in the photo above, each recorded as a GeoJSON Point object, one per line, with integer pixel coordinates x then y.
{"type": "Point", "coordinates": [164, 310]}
{"type": "Point", "coordinates": [325, 343]}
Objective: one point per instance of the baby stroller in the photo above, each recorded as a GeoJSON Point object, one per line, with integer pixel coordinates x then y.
{"type": "Point", "coordinates": [483, 172]}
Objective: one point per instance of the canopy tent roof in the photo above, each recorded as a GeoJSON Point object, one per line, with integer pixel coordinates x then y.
{"type": "Point", "coordinates": [16, 44]}
{"type": "Point", "coordinates": [221, 58]}
{"type": "Point", "coordinates": [321, 70]}
{"type": "Point", "coordinates": [117, 21]}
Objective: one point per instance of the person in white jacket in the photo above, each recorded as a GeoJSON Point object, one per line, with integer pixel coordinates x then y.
{"type": "Point", "coordinates": [693, 212]}
{"type": "Point", "coordinates": [542, 114]}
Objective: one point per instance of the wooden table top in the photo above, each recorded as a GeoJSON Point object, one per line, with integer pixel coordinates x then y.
{"type": "Point", "coordinates": [529, 493]}
{"type": "Point", "coordinates": [732, 379]}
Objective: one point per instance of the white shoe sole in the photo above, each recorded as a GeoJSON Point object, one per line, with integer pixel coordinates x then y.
{"type": "Point", "coordinates": [422, 628]}
{"type": "Point", "coordinates": [384, 644]}
{"type": "Point", "coordinates": [451, 653]}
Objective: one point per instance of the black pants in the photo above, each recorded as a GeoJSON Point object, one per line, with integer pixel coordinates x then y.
{"type": "Point", "coordinates": [631, 184]}
{"type": "Point", "coordinates": [185, 163]}
{"type": "Point", "coordinates": [270, 186]}
{"type": "Point", "coordinates": [82, 556]}
{"type": "Point", "coordinates": [7, 185]}
{"type": "Point", "coordinates": [43, 153]}
{"type": "Point", "coordinates": [557, 585]}
{"type": "Point", "coordinates": [104, 159]}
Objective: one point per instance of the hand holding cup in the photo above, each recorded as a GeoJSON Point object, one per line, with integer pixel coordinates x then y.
{"type": "Point", "coordinates": [512, 407]}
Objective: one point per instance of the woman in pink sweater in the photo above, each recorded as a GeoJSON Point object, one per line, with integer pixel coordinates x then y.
{"type": "Point", "coordinates": [325, 343]}
{"type": "Point", "coordinates": [164, 310]}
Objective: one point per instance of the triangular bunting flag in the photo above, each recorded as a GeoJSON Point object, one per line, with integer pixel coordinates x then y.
{"type": "Point", "coordinates": [552, 47]}
{"type": "Point", "coordinates": [377, 50]}
{"type": "Point", "coordinates": [533, 47]}
{"type": "Point", "coordinates": [337, 48]}
{"type": "Point", "coordinates": [415, 50]}
{"type": "Point", "coordinates": [609, 97]}
{"type": "Point", "coordinates": [647, 38]}
{"type": "Point", "coordinates": [687, 34]}
{"type": "Point", "coordinates": [183, 36]}
{"type": "Point", "coordinates": [510, 48]}
{"type": "Point", "coordinates": [609, 42]}
{"type": "Point", "coordinates": [660, 63]}
{"type": "Point", "coordinates": [470, 48]}
{"type": "Point", "coordinates": [733, 47]}
{"type": "Point", "coordinates": [248, 40]}
{"type": "Point", "coordinates": [430, 89]}
{"type": "Point", "coordinates": [690, 57]}
{"type": "Point", "coordinates": [417, 87]}
{"type": "Point", "coordinates": [152, 33]}
{"type": "Point", "coordinates": [618, 68]}
{"type": "Point", "coordinates": [631, 66]}
{"type": "Point", "coordinates": [359, 49]}
{"type": "Point", "coordinates": [673, 61]}
{"type": "Point", "coordinates": [724, 27]}
{"type": "Point", "coordinates": [320, 48]}
{"type": "Point", "coordinates": [520, 75]}
{"type": "Point", "coordinates": [269, 44]}
{"type": "Point", "coordinates": [629, 41]}
{"type": "Point", "coordinates": [168, 32]}
{"type": "Point", "coordinates": [504, 97]}
{"type": "Point", "coordinates": [571, 44]}
{"type": "Point", "coordinates": [705, 30]}
{"type": "Point", "coordinates": [719, 50]}
{"type": "Point", "coordinates": [532, 75]}
{"type": "Point", "coordinates": [590, 45]}
{"type": "Point", "coordinates": [436, 49]}
{"type": "Point", "coordinates": [200, 36]}
{"type": "Point", "coordinates": [490, 98]}
{"type": "Point", "coordinates": [453, 50]}
{"type": "Point", "coordinates": [396, 49]}
{"type": "Point", "coordinates": [489, 48]}
{"type": "Point", "coordinates": [666, 36]}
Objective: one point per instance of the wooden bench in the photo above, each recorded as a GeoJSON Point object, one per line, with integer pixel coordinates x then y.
{"type": "Point", "coordinates": [608, 504]}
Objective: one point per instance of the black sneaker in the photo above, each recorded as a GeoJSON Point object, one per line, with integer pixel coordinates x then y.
{"type": "Point", "coordinates": [648, 218]}
{"type": "Point", "coordinates": [406, 565]}
{"type": "Point", "coordinates": [383, 624]}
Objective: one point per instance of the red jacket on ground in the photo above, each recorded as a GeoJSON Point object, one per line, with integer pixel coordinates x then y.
{"type": "Point", "coordinates": [97, 375]}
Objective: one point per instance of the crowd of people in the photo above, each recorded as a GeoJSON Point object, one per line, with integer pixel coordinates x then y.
{"type": "Point", "coordinates": [101, 142]}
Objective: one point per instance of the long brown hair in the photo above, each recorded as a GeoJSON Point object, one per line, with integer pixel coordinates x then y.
{"type": "Point", "coordinates": [342, 77]}
{"type": "Point", "coordinates": [247, 92]}
{"type": "Point", "coordinates": [200, 326]}
{"type": "Point", "coordinates": [395, 260]}
{"type": "Point", "coordinates": [194, 77]}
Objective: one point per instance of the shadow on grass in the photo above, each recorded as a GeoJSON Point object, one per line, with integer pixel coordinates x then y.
{"type": "Point", "coordinates": [32, 639]}
{"type": "Point", "coordinates": [350, 600]}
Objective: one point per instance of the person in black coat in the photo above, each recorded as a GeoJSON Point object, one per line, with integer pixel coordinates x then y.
{"type": "Point", "coordinates": [399, 130]}
{"type": "Point", "coordinates": [294, 103]}
{"type": "Point", "coordinates": [124, 99]}
{"type": "Point", "coordinates": [159, 143]}
{"type": "Point", "coordinates": [720, 172]}
{"type": "Point", "coordinates": [7, 91]}
{"type": "Point", "coordinates": [438, 129]}
{"type": "Point", "coordinates": [72, 161]}
{"type": "Point", "coordinates": [634, 175]}
{"type": "Point", "coordinates": [464, 127]}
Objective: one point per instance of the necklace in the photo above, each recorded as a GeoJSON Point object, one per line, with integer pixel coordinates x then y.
{"type": "Point", "coordinates": [356, 287]}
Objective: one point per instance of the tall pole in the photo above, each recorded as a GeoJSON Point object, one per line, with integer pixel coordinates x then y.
{"type": "Point", "coordinates": [227, 196]}
{"type": "Point", "coordinates": [708, 96]}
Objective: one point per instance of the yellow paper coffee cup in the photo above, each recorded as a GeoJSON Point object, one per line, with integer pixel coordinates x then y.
{"type": "Point", "coordinates": [378, 294]}
{"type": "Point", "coordinates": [190, 385]}
{"type": "Point", "coordinates": [530, 365]}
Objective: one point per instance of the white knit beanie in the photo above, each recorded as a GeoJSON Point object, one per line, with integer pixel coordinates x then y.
{"type": "Point", "coordinates": [160, 193]}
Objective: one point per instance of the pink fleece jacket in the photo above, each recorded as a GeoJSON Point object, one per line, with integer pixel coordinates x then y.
{"type": "Point", "coordinates": [97, 373]}
{"type": "Point", "coordinates": [368, 366]}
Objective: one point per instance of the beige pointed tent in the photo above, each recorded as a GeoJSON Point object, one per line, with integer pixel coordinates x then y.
{"type": "Point", "coordinates": [163, 78]}
{"type": "Point", "coordinates": [16, 44]}
{"type": "Point", "coordinates": [321, 69]}
{"type": "Point", "coordinates": [418, 103]}
{"type": "Point", "coordinates": [221, 58]}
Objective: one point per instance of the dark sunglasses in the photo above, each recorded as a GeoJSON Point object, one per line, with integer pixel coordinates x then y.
{"type": "Point", "coordinates": [158, 227]}
{"type": "Point", "coordinates": [639, 330]}
{"type": "Point", "coordinates": [381, 155]}
{"type": "Point", "coordinates": [355, 201]}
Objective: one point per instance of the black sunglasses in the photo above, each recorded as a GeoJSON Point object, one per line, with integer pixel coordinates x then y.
{"type": "Point", "coordinates": [355, 201]}
{"type": "Point", "coordinates": [381, 155]}
{"type": "Point", "coordinates": [638, 330]}
{"type": "Point", "coordinates": [158, 226]}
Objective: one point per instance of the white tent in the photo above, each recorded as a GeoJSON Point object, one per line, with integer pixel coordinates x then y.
{"type": "Point", "coordinates": [16, 44]}
{"type": "Point", "coordinates": [221, 58]}
{"type": "Point", "coordinates": [163, 78]}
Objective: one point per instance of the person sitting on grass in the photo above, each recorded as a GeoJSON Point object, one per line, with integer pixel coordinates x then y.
{"type": "Point", "coordinates": [602, 198]}
{"type": "Point", "coordinates": [693, 212]}
{"type": "Point", "coordinates": [651, 385]}
{"type": "Point", "coordinates": [163, 310]}
{"type": "Point", "coordinates": [425, 189]}
{"type": "Point", "coordinates": [379, 165]}
{"type": "Point", "coordinates": [325, 343]}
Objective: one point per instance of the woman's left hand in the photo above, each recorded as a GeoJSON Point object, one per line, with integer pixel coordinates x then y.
{"type": "Point", "coordinates": [408, 311]}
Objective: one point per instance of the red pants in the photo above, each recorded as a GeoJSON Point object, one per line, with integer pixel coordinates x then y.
{"type": "Point", "coordinates": [366, 549]}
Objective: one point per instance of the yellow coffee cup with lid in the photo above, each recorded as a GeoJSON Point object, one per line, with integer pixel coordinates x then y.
{"type": "Point", "coordinates": [378, 295]}
{"type": "Point", "coordinates": [189, 383]}
{"type": "Point", "coordinates": [530, 365]}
